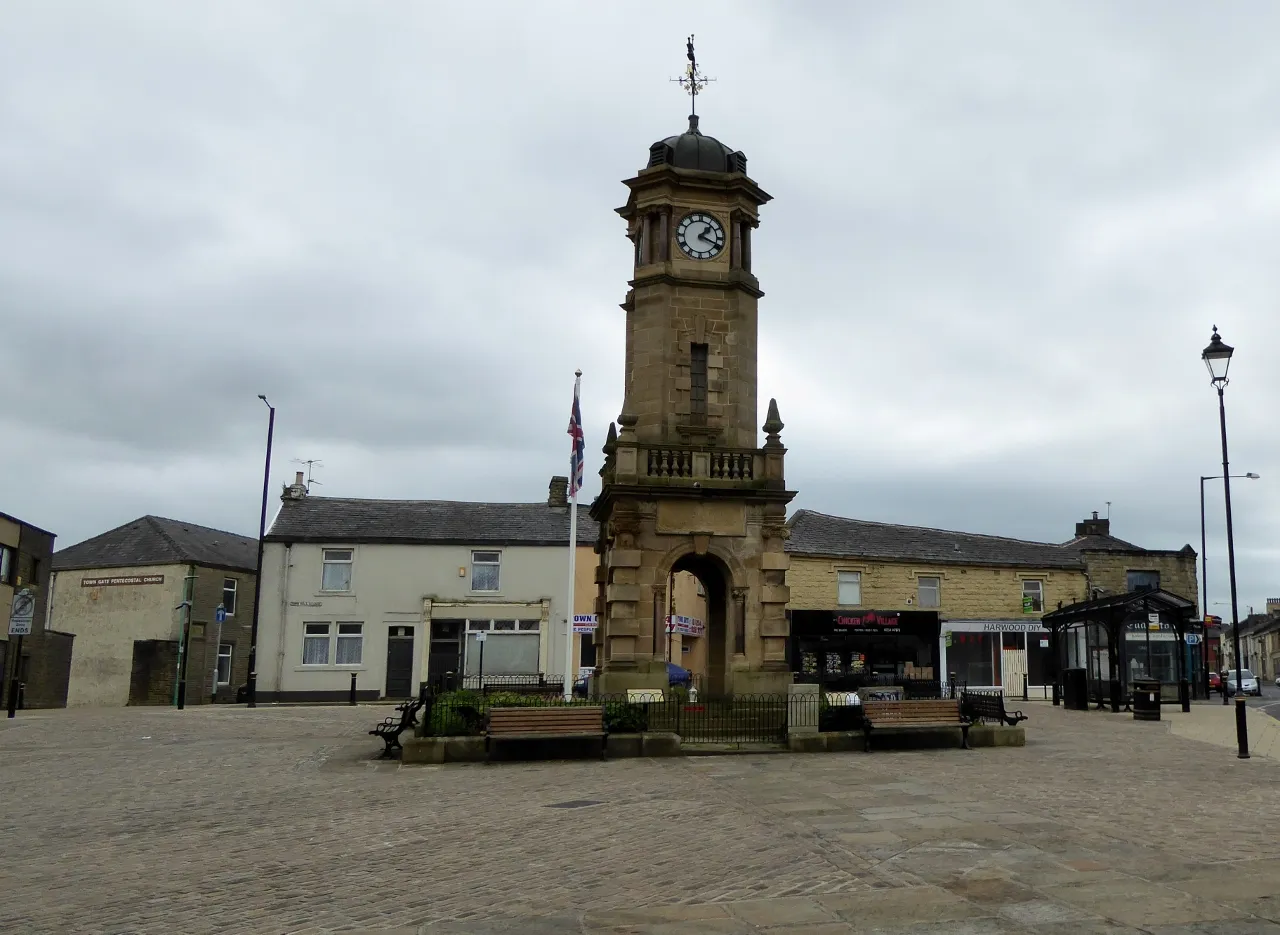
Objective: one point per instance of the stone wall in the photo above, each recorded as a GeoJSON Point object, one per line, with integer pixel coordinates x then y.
{"type": "Point", "coordinates": [967, 591]}
{"type": "Point", "coordinates": [1108, 570]}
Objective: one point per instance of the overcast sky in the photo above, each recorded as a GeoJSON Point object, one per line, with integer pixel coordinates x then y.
{"type": "Point", "coordinates": [1001, 233]}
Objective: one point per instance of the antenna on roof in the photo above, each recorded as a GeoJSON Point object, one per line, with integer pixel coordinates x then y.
{"type": "Point", "coordinates": [310, 462]}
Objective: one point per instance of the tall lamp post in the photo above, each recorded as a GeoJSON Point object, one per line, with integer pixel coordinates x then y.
{"type": "Point", "coordinates": [257, 588]}
{"type": "Point", "coordinates": [1204, 583]}
{"type": "Point", "coordinates": [1217, 358]}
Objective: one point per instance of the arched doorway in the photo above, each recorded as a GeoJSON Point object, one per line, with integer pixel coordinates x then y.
{"type": "Point", "coordinates": [715, 579]}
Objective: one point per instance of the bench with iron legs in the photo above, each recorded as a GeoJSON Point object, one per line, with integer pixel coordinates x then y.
{"type": "Point", "coordinates": [990, 708]}
{"type": "Point", "coordinates": [549, 723]}
{"type": "Point", "coordinates": [916, 715]}
{"type": "Point", "coordinates": [392, 727]}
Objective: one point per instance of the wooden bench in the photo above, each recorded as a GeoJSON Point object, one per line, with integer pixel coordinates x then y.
{"type": "Point", "coordinates": [925, 714]}
{"type": "Point", "coordinates": [549, 723]}
{"type": "Point", "coordinates": [989, 708]}
{"type": "Point", "coordinates": [392, 727]}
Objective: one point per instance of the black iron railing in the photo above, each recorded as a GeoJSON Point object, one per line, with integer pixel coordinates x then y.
{"type": "Point", "coordinates": [741, 719]}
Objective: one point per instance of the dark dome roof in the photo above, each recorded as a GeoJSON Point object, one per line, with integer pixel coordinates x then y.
{"type": "Point", "coordinates": [692, 150]}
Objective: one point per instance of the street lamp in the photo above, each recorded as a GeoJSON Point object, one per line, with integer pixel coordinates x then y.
{"type": "Point", "coordinates": [252, 693]}
{"type": "Point", "coordinates": [1204, 583]}
{"type": "Point", "coordinates": [1217, 358]}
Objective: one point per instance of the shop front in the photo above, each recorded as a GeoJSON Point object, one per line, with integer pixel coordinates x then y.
{"type": "Point", "coordinates": [1005, 654]}
{"type": "Point", "coordinates": [844, 650]}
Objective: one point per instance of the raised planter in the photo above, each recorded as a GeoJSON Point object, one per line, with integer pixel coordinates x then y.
{"type": "Point", "coordinates": [997, 735]}
{"type": "Point", "coordinates": [832, 741]}
{"type": "Point", "coordinates": [443, 750]}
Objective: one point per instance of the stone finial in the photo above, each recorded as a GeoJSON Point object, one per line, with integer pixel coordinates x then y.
{"type": "Point", "coordinates": [773, 426]}
{"type": "Point", "coordinates": [627, 435]}
{"type": "Point", "coordinates": [611, 440]}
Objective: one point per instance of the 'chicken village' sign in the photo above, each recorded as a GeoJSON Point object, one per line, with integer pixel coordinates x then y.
{"type": "Point", "coordinates": [873, 621]}
{"type": "Point", "coordinates": [120, 581]}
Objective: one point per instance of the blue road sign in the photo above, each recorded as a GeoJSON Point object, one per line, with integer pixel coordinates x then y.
{"type": "Point", "coordinates": [220, 615]}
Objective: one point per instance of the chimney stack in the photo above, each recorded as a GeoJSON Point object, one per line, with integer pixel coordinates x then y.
{"type": "Point", "coordinates": [1094, 527]}
{"type": "Point", "coordinates": [558, 491]}
{"type": "Point", "coordinates": [297, 490]}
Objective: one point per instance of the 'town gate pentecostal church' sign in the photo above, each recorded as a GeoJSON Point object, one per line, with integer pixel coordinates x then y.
{"type": "Point", "coordinates": [123, 580]}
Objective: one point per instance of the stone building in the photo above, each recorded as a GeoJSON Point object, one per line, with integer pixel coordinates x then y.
{"type": "Point", "coordinates": [877, 599]}
{"type": "Point", "coordinates": [121, 593]}
{"type": "Point", "coordinates": [686, 488]}
{"type": "Point", "coordinates": [26, 559]}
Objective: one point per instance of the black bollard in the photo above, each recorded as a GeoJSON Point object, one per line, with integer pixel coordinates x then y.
{"type": "Point", "coordinates": [352, 699]}
{"type": "Point", "coordinates": [1024, 686]}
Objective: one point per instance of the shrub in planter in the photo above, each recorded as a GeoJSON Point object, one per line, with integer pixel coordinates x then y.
{"type": "Point", "coordinates": [621, 717]}
{"type": "Point", "coordinates": [456, 714]}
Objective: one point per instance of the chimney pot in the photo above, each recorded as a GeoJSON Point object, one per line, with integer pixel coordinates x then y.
{"type": "Point", "coordinates": [297, 479]}
{"type": "Point", "coordinates": [1095, 512]}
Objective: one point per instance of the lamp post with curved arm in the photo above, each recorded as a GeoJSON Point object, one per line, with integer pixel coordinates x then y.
{"type": "Point", "coordinates": [1217, 358]}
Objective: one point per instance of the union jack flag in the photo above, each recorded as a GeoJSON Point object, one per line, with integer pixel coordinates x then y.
{"type": "Point", "coordinates": [579, 445]}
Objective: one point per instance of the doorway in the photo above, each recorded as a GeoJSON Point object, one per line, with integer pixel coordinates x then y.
{"type": "Point", "coordinates": [444, 654]}
{"type": "Point", "coordinates": [1014, 663]}
{"type": "Point", "coordinates": [399, 662]}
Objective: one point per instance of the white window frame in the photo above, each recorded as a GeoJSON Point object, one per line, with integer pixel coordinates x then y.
{"type": "Point", "coordinates": [327, 636]}
{"type": "Point", "coordinates": [497, 589]}
{"type": "Point", "coordinates": [235, 595]}
{"type": "Point", "coordinates": [326, 561]}
{"type": "Point", "coordinates": [7, 562]}
{"type": "Point", "coordinates": [936, 588]}
{"type": "Point", "coordinates": [228, 655]}
{"type": "Point", "coordinates": [851, 579]}
{"type": "Point", "coordinates": [1036, 592]}
{"type": "Point", "coordinates": [354, 633]}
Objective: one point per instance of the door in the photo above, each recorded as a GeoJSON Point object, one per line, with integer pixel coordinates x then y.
{"type": "Point", "coordinates": [399, 662]}
{"type": "Point", "coordinates": [1013, 664]}
{"type": "Point", "coordinates": [445, 652]}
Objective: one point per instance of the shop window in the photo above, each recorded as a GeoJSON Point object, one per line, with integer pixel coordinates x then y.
{"type": "Point", "coordinates": [509, 649]}
{"type": "Point", "coordinates": [849, 588]}
{"type": "Point", "coordinates": [971, 658]}
{"type": "Point", "coordinates": [1033, 597]}
{"type": "Point", "coordinates": [1142, 580]}
{"type": "Point", "coordinates": [928, 592]}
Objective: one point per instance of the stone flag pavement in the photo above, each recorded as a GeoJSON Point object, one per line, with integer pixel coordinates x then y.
{"type": "Point", "coordinates": [221, 819]}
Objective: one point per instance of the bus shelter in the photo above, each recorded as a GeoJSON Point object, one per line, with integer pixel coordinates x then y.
{"type": "Point", "coordinates": [1147, 634]}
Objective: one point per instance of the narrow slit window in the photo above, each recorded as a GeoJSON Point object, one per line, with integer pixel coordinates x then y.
{"type": "Point", "coordinates": [698, 383]}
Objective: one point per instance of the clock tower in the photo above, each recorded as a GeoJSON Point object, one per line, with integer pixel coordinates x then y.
{"type": "Point", "coordinates": [686, 487]}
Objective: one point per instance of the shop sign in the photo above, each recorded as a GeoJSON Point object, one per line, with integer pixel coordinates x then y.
{"type": "Point", "coordinates": [584, 623]}
{"type": "Point", "coordinates": [873, 621]}
{"type": "Point", "coordinates": [1044, 644]}
{"type": "Point", "coordinates": [993, 626]}
{"type": "Point", "coordinates": [121, 581]}
{"type": "Point", "coordinates": [1150, 626]}
{"type": "Point", "coordinates": [686, 626]}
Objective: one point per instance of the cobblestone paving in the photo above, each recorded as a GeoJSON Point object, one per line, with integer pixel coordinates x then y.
{"type": "Point", "coordinates": [279, 821]}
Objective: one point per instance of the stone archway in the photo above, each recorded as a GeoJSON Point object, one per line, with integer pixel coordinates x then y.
{"type": "Point", "coordinates": [717, 582]}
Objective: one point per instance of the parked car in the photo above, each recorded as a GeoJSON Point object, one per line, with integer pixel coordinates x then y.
{"type": "Point", "coordinates": [1215, 682]}
{"type": "Point", "coordinates": [1249, 683]}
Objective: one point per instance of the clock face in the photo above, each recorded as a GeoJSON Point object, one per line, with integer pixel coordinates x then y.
{"type": "Point", "coordinates": [700, 236]}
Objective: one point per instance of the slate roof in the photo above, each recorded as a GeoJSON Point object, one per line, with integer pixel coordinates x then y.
{"type": "Point", "coordinates": [426, 522]}
{"type": "Point", "coordinates": [819, 534]}
{"type": "Point", "coordinates": [154, 540]}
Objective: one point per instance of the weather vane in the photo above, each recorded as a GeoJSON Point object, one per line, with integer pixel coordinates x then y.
{"type": "Point", "coordinates": [692, 81]}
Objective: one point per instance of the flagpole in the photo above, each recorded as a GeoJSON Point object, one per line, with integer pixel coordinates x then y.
{"type": "Point", "coordinates": [573, 554]}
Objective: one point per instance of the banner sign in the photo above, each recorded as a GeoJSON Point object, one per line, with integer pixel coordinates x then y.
{"type": "Point", "coordinates": [117, 582]}
{"type": "Point", "coordinates": [584, 623]}
{"type": "Point", "coordinates": [686, 626]}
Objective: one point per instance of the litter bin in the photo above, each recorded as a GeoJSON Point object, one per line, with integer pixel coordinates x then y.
{"type": "Point", "coordinates": [1146, 699]}
{"type": "Point", "coordinates": [1075, 690]}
